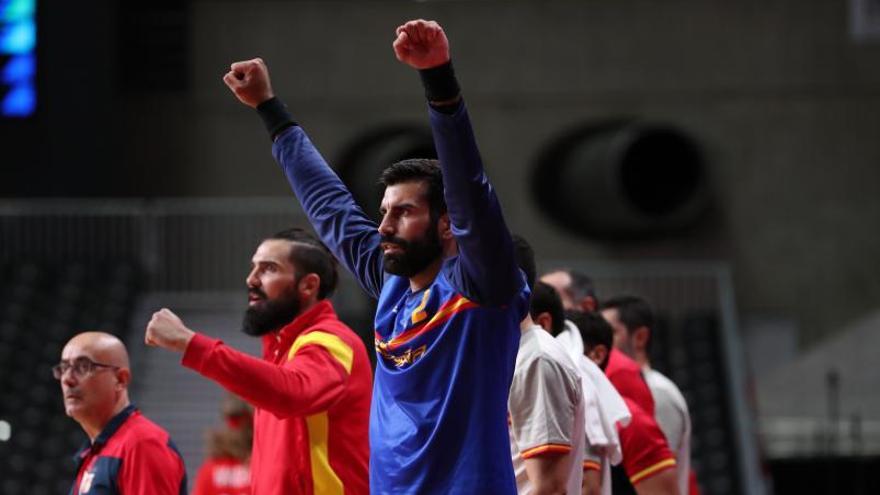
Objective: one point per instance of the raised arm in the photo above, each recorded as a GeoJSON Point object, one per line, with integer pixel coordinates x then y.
{"type": "Point", "coordinates": [309, 382]}
{"type": "Point", "coordinates": [339, 221]}
{"type": "Point", "coordinates": [485, 270]}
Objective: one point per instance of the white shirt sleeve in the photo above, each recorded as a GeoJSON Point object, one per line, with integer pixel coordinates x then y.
{"type": "Point", "coordinates": [543, 406]}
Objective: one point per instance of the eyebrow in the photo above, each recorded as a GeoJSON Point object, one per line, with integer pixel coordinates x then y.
{"type": "Point", "coordinates": [70, 360]}
{"type": "Point", "coordinates": [407, 204]}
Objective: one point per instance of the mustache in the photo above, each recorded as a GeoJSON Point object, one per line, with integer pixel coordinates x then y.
{"type": "Point", "coordinates": [257, 292]}
{"type": "Point", "coordinates": [390, 239]}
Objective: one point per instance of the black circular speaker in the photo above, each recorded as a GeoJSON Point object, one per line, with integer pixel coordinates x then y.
{"type": "Point", "coordinates": [363, 161]}
{"type": "Point", "coordinates": [622, 180]}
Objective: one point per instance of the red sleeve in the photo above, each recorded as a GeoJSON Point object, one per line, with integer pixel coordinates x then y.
{"type": "Point", "coordinates": [627, 378]}
{"type": "Point", "coordinates": [693, 485]}
{"type": "Point", "coordinates": [645, 451]}
{"type": "Point", "coordinates": [204, 479]}
{"type": "Point", "coordinates": [306, 385]}
{"type": "Point", "coordinates": [151, 467]}
{"type": "Point", "coordinates": [633, 386]}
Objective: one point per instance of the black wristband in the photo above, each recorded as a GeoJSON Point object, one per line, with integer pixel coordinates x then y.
{"type": "Point", "coordinates": [275, 116]}
{"type": "Point", "coordinates": [440, 83]}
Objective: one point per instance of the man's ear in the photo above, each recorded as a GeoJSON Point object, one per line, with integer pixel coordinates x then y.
{"type": "Point", "coordinates": [308, 285]}
{"type": "Point", "coordinates": [545, 321]}
{"type": "Point", "coordinates": [589, 304]}
{"type": "Point", "coordinates": [444, 227]}
{"type": "Point", "coordinates": [123, 378]}
{"type": "Point", "coordinates": [640, 338]}
{"type": "Point", "coordinates": [598, 354]}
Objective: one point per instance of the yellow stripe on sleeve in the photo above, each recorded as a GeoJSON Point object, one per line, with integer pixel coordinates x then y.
{"type": "Point", "coordinates": [644, 473]}
{"type": "Point", "coordinates": [334, 345]}
{"type": "Point", "coordinates": [554, 448]}
{"type": "Point", "coordinates": [325, 481]}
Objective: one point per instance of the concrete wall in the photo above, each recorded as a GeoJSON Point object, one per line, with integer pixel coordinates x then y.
{"type": "Point", "coordinates": [785, 105]}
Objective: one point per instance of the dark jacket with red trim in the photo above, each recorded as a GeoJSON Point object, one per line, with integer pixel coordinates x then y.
{"type": "Point", "coordinates": [131, 456]}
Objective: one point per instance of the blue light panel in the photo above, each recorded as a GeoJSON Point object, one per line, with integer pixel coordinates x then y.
{"type": "Point", "coordinates": [18, 58]}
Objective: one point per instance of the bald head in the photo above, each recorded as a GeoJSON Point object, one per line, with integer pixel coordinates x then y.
{"type": "Point", "coordinates": [94, 374]}
{"type": "Point", "coordinates": [100, 347]}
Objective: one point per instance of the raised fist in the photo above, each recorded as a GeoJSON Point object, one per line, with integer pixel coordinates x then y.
{"type": "Point", "coordinates": [167, 331]}
{"type": "Point", "coordinates": [421, 44]}
{"type": "Point", "coordinates": [249, 81]}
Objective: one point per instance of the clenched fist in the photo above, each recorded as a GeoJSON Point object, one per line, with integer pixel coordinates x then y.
{"type": "Point", "coordinates": [249, 81]}
{"type": "Point", "coordinates": [167, 331]}
{"type": "Point", "coordinates": [421, 44]}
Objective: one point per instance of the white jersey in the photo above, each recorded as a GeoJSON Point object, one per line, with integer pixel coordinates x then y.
{"type": "Point", "coordinates": [546, 408]}
{"type": "Point", "coordinates": [604, 408]}
{"type": "Point", "coordinates": [571, 340]}
{"type": "Point", "coordinates": [671, 413]}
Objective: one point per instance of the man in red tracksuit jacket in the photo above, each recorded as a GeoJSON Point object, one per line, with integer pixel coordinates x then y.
{"type": "Point", "coordinates": [312, 388]}
{"type": "Point", "coordinates": [126, 454]}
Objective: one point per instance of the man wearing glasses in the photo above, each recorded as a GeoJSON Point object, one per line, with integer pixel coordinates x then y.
{"type": "Point", "coordinates": [126, 452]}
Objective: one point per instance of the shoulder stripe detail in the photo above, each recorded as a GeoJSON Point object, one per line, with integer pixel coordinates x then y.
{"type": "Point", "coordinates": [550, 448]}
{"type": "Point", "coordinates": [332, 343]}
{"type": "Point", "coordinates": [324, 479]}
{"type": "Point", "coordinates": [647, 472]}
{"type": "Point", "coordinates": [455, 305]}
{"type": "Point", "coordinates": [592, 466]}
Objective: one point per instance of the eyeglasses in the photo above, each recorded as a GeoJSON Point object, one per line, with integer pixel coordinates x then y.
{"type": "Point", "coordinates": [81, 366]}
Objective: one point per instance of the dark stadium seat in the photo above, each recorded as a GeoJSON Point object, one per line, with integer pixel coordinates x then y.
{"type": "Point", "coordinates": [689, 352]}
{"type": "Point", "coordinates": [42, 305]}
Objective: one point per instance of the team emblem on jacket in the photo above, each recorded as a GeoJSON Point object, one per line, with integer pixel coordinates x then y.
{"type": "Point", "coordinates": [86, 483]}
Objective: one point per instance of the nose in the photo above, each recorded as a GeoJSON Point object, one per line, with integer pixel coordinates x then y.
{"type": "Point", "coordinates": [252, 280]}
{"type": "Point", "coordinates": [68, 379]}
{"type": "Point", "coordinates": [386, 227]}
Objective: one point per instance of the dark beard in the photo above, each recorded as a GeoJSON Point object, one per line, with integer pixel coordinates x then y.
{"type": "Point", "coordinates": [416, 255]}
{"type": "Point", "coordinates": [270, 314]}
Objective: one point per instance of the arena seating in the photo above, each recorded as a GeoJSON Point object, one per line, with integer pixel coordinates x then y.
{"type": "Point", "coordinates": [690, 354]}
{"type": "Point", "coordinates": [43, 304]}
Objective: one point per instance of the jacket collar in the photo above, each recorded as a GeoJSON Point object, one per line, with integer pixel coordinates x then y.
{"type": "Point", "coordinates": [288, 333]}
{"type": "Point", "coordinates": [112, 426]}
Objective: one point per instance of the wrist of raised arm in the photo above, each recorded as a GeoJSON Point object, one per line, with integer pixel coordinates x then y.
{"type": "Point", "coordinates": [275, 116]}
{"type": "Point", "coordinates": [441, 87]}
{"type": "Point", "coordinates": [197, 350]}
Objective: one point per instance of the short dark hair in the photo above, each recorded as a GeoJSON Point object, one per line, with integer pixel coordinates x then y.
{"type": "Point", "coordinates": [309, 255]}
{"type": "Point", "coordinates": [582, 286]}
{"type": "Point", "coordinates": [593, 328]}
{"type": "Point", "coordinates": [419, 170]}
{"type": "Point", "coordinates": [545, 299]}
{"type": "Point", "coordinates": [633, 311]}
{"type": "Point", "coordinates": [525, 258]}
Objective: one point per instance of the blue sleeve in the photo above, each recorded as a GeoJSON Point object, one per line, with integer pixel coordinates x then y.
{"type": "Point", "coordinates": [339, 221]}
{"type": "Point", "coordinates": [485, 270]}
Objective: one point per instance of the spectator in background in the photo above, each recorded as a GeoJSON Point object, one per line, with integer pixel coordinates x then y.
{"type": "Point", "coordinates": [226, 469]}
{"type": "Point", "coordinates": [648, 464]}
{"type": "Point", "coordinates": [126, 452]}
{"type": "Point", "coordinates": [633, 322]}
